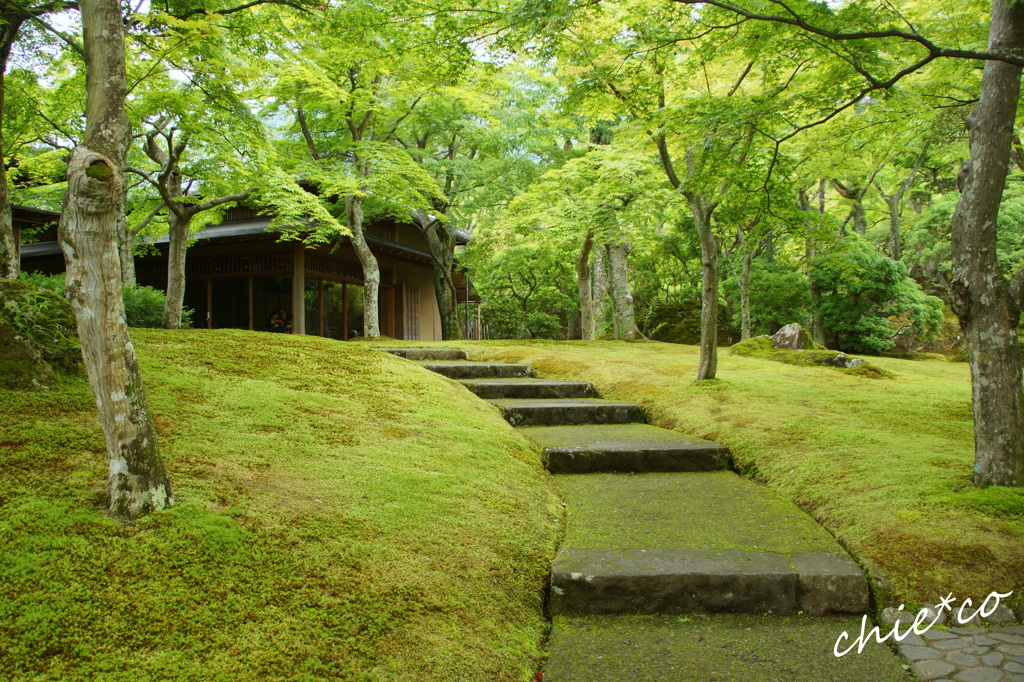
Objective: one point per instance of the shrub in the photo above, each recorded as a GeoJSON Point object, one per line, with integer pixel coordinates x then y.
{"type": "Point", "coordinates": [143, 306]}
{"type": "Point", "coordinates": [861, 289]}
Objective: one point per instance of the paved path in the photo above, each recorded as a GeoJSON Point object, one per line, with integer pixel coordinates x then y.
{"type": "Point", "coordinates": [967, 654]}
{"type": "Point", "coordinates": [673, 567]}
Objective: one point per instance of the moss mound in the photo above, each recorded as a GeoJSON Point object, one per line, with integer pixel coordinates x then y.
{"type": "Point", "coordinates": [38, 336]}
{"type": "Point", "coordinates": [817, 356]}
{"type": "Point", "coordinates": [342, 514]}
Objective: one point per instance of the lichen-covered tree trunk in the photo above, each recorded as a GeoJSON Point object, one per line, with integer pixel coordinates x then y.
{"type": "Point", "coordinates": [748, 259]}
{"type": "Point", "coordinates": [584, 285]}
{"type": "Point", "coordinates": [178, 227]}
{"type": "Point", "coordinates": [371, 270]}
{"type": "Point", "coordinates": [138, 482]}
{"type": "Point", "coordinates": [623, 313]}
{"type": "Point", "coordinates": [600, 292]}
{"type": "Point", "coordinates": [980, 293]}
{"type": "Point", "coordinates": [441, 242]}
{"type": "Point", "coordinates": [9, 266]}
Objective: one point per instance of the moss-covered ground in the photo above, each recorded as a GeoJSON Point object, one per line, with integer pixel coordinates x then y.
{"type": "Point", "coordinates": [341, 514]}
{"type": "Point", "coordinates": [885, 465]}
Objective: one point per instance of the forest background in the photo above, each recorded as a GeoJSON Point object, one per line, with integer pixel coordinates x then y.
{"type": "Point", "coordinates": [677, 170]}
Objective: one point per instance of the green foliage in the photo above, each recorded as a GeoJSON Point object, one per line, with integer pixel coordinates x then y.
{"type": "Point", "coordinates": [143, 306]}
{"type": "Point", "coordinates": [861, 289]}
{"type": "Point", "coordinates": [45, 317]}
{"type": "Point", "coordinates": [778, 296]}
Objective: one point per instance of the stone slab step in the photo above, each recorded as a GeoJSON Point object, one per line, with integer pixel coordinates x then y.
{"type": "Point", "coordinates": [704, 542]}
{"type": "Point", "coordinates": [594, 448]}
{"type": "Point", "coordinates": [567, 412]}
{"type": "Point", "coordinates": [718, 648]}
{"type": "Point", "coordinates": [528, 388]}
{"type": "Point", "coordinates": [427, 353]}
{"type": "Point", "coordinates": [478, 370]}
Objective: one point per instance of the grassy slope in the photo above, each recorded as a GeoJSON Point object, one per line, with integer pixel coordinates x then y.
{"type": "Point", "coordinates": [885, 464]}
{"type": "Point", "coordinates": [339, 514]}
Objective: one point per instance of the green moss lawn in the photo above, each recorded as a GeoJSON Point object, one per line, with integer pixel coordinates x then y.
{"type": "Point", "coordinates": [340, 514]}
{"type": "Point", "coordinates": [884, 464]}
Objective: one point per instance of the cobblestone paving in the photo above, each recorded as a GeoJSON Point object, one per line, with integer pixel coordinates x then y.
{"type": "Point", "coordinates": [967, 654]}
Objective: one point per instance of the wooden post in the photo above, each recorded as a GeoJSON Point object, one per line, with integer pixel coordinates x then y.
{"type": "Point", "coordinates": [320, 307]}
{"type": "Point", "coordinates": [299, 290]}
{"type": "Point", "coordinates": [250, 304]}
{"type": "Point", "coordinates": [209, 304]}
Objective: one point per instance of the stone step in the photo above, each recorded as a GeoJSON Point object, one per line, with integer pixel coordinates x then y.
{"type": "Point", "coordinates": [594, 448]}
{"type": "Point", "coordinates": [663, 648]}
{"type": "Point", "coordinates": [567, 412]}
{"type": "Point", "coordinates": [701, 542]}
{"type": "Point", "coordinates": [478, 370]}
{"type": "Point", "coordinates": [528, 388]}
{"type": "Point", "coordinates": [428, 353]}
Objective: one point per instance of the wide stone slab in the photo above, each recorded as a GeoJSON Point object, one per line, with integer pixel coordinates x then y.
{"type": "Point", "coordinates": [427, 353]}
{"type": "Point", "coordinates": [527, 388]}
{"type": "Point", "coordinates": [478, 370]}
{"type": "Point", "coordinates": [566, 412]}
{"type": "Point", "coordinates": [703, 542]}
{"type": "Point", "coordinates": [593, 448]}
{"type": "Point", "coordinates": [712, 648]}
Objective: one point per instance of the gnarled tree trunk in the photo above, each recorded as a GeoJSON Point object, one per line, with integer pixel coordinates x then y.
{"type": "Point", "coordinates": [980, 293]}
{"type": "Point", "coordinates": [371, 271]}
{"type": "Point", "coordinates": [600, 292]}
{"type": "Point", "coordinates": [441, 242]}
{"type": "Point", "coordinates": [584, 285]}
{"type": "Point", "coordinates": [622, 301]}
{"type": "Point", "coordinates": [138, 482]}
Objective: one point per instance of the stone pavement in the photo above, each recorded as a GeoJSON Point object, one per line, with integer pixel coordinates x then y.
{"type": "Point", "coordinates": [673, 567]}
{"type": "Point", "coordinates": [967, 654]}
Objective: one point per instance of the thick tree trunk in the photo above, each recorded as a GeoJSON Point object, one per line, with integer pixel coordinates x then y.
{"type": "Point", "coordinates": [980, 293]}
{"type": "Point", "coordinates": [860, 220]}
{"type": "Point", "coordinates": [585, 287]}
{"type": "Point", "coordinates": [623, 314]}
{"type": "Point", "coordinates": [138, 482]}
{"type": "Point", "coordinates": [748, 259]}
{"type": "Point", "coordinates": [371, 271]}
{"type": "Point", "coordinates": [709, 252]}
{"type": "Point", "coordinates": [177, 232]}
{"type": "Point", "coordinates": [600, 292]}
{"type": "Point", "coordinates": [441, 242]}
{"type": "Point", "coordinates": [817, 327]}
{"type": "Point", "coordinates": [9, 266]}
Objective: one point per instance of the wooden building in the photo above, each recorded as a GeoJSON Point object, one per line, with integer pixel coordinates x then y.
{"type": "Point", "coordinates": [239, 274]}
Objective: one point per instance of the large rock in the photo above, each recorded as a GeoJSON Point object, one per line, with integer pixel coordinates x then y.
{"type": "Point", "coordinates": [37, 337]}
{"type": "Point", "coordinates": [793, 337]}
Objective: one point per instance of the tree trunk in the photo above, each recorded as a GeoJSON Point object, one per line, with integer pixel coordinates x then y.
{"type": "Point", "coordinates": [138, 482]}
{"type": "Point", "coordinates": [623, 314]}
{"type": "Point", "coordinates": [860, 220]}
{"type": "Point", "coordinates": [126, 243]}
{"type": "Point", "coordinates": [748, 259]}
{"type": "Point", "coordinates": [708, 366]}
{"type": "Point", "coordinates": [10, 268]}
{"type": "Point", "coordinates": [600, 293]}
{"type": "Point", "coordinates": [441, 242]}
{"type": "Point", "coordinates": [177, 232]}
{"type": "Point", "coordinates": [980, 294]}
{"type": "Point", "coordinates": [371, 271]}
{"type": "Point", "coordinates": [584, 284]}
{"type": "Point", "coordinates": [895, 244]}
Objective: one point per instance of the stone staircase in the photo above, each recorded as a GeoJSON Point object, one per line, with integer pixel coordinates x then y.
{"type": "Point", "coordinates": [656, 523]}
